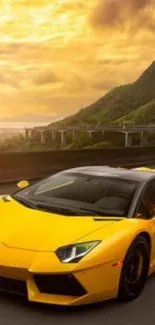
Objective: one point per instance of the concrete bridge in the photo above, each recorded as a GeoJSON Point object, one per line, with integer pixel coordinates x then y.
{"type": "Point", "coordinates": [126, 129]}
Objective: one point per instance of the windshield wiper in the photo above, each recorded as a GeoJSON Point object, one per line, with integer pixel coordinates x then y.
{"type": "Point", "coordinates": [61, 210]}
{"type": "Point", "coordinates": [70, 211]}
{"type": "Point", "coordinates": [106, 213]}
{"type": "Point", "coordinates": [24, 202]}
{"type": "Point", "coordinates": [67, 210]}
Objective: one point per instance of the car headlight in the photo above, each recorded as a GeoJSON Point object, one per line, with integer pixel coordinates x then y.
{"type": "Point", "coordinates": [74, 253]}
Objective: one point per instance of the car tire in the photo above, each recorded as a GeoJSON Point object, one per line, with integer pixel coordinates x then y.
{"type": "Point", "coordinates": [135, 270]}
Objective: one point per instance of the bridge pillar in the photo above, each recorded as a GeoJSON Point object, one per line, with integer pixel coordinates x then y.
{"type": "Point", "coordinates": [73, 134]}
{"type": "Point", "coordinates": [33, 134]}
{"type": "Point", "coordinates": [27, 133]}
{"type": "Point", "coordinates": [43, 137]}
{"type": "Point", "coordinates": [53, 135]}
{"type": "Point", "coordinates": [90, 134]}
{"type": "Point", "coordinates": [143, 138]}
{"type": "Point", "coordinates": [63, 138]}
{"type": "Point", "coordinates": [128, 139]}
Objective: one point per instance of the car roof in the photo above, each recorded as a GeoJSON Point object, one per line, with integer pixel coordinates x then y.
{"type": "Point", "coordinates": [139, 175]}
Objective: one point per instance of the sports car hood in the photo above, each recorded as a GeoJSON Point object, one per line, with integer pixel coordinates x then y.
{"type": "Point", "coordinates": [24, 228]}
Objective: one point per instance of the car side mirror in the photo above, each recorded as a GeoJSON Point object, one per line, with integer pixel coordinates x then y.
{"type": "Point", "coordinates": [139, 216]}
{"type": "Point", "coordinates": [23, 184]}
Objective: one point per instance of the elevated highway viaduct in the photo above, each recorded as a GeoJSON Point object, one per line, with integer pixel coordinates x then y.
{"type": "Point", "coordinates": [128, 130]}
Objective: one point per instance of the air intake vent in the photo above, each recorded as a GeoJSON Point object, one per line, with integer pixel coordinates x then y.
{"type": "Point", "coordinates": [60, 284]}
{"type": "Point", "coordinates": [13, 286]}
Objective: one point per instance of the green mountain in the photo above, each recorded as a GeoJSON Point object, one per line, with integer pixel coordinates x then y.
{"type": "Point", "coordinates": [133, 102]}
{"type": "Point", "coordinates": [143, 115]}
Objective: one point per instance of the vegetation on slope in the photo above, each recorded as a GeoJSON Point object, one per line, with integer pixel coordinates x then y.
{"type": "Point", "coordinates": [22, 144]}
{"type": "Point", "coordinates": [132, 103]}
{"type": "Point", "coordinates": [119, 103]}
{"type": "Point", "coordinates": [142, 115]}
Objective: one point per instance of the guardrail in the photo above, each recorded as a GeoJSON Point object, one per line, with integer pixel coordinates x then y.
{"type": "Point", "coordinates": [109, 127]}
{"type": "Point", "coordinates": [34, 165]}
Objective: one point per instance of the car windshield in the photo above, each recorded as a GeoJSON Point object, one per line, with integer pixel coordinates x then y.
{"type": "Point", "coordinates": [80, 194]}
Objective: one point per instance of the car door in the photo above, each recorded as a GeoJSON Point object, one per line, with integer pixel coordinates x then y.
{"type": "Point", "coordinates": [146, 208]}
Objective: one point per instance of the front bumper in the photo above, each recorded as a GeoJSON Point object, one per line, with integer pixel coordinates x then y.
{"type": "Point", "coordinates": [51, 282]}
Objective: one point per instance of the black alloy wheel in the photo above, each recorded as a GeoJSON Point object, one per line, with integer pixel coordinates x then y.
{"type": "Point", "coordinates": [135, 270]}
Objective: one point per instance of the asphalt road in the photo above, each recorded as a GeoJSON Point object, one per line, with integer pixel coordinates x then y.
{"type": "Point", "coordinates": [17, 311]}
{"type": "Point", "coordinates": [14, 311]}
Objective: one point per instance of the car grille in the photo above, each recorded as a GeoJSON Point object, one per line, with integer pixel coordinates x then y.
{"type": "Point", "coordinates": [65, 284]}
{"type": "Point", "coordinates": [13, 286]}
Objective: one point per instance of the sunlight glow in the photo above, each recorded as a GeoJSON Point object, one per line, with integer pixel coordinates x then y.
{"type": "Point", "coordinates": [56, 54]}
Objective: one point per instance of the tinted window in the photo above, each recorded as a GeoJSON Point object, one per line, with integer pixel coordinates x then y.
{"type": "Point", "coordinates": [148, 198]}
{"type": "Point", "coordinates": [142, 211]}
{"type": "Point", "coordinates": [109, 195]}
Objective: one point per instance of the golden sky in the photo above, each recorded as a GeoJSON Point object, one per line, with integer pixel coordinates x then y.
{"type": "Point", "coordinates": [56, 55]}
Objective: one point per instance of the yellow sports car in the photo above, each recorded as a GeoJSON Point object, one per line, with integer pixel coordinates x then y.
{"type": "Point", "coordinates": [81, 236]}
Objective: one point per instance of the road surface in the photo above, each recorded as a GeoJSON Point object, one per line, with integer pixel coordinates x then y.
{"type": "Point", "coordinates": [17, 311]}
{"type": "Point", "coordinates": [14, 311]}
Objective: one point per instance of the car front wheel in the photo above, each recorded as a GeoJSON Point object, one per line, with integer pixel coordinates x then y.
{"type": "Point", "coordinates": [135, 270]}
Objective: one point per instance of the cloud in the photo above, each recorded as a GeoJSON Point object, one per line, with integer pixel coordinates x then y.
{"type": "Point", "coordinates": [106, 14]}
{"type": "Point", "coordinates": [45, 78]}
{"type": "Point", "coordinates": [139, 4]}
{"type": "Point", "coordinates": [104, 86]}
{"type": "Point", "coordinates": [44, 101]}
{"type": "Point", "coordinates": [52, 60]}
{"type": "Point", "coordinates": [110, 13]}
{"type": "Point", "coordinates": [4, 80]}
{"type": "Point", "coordinates": [10, 82]}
